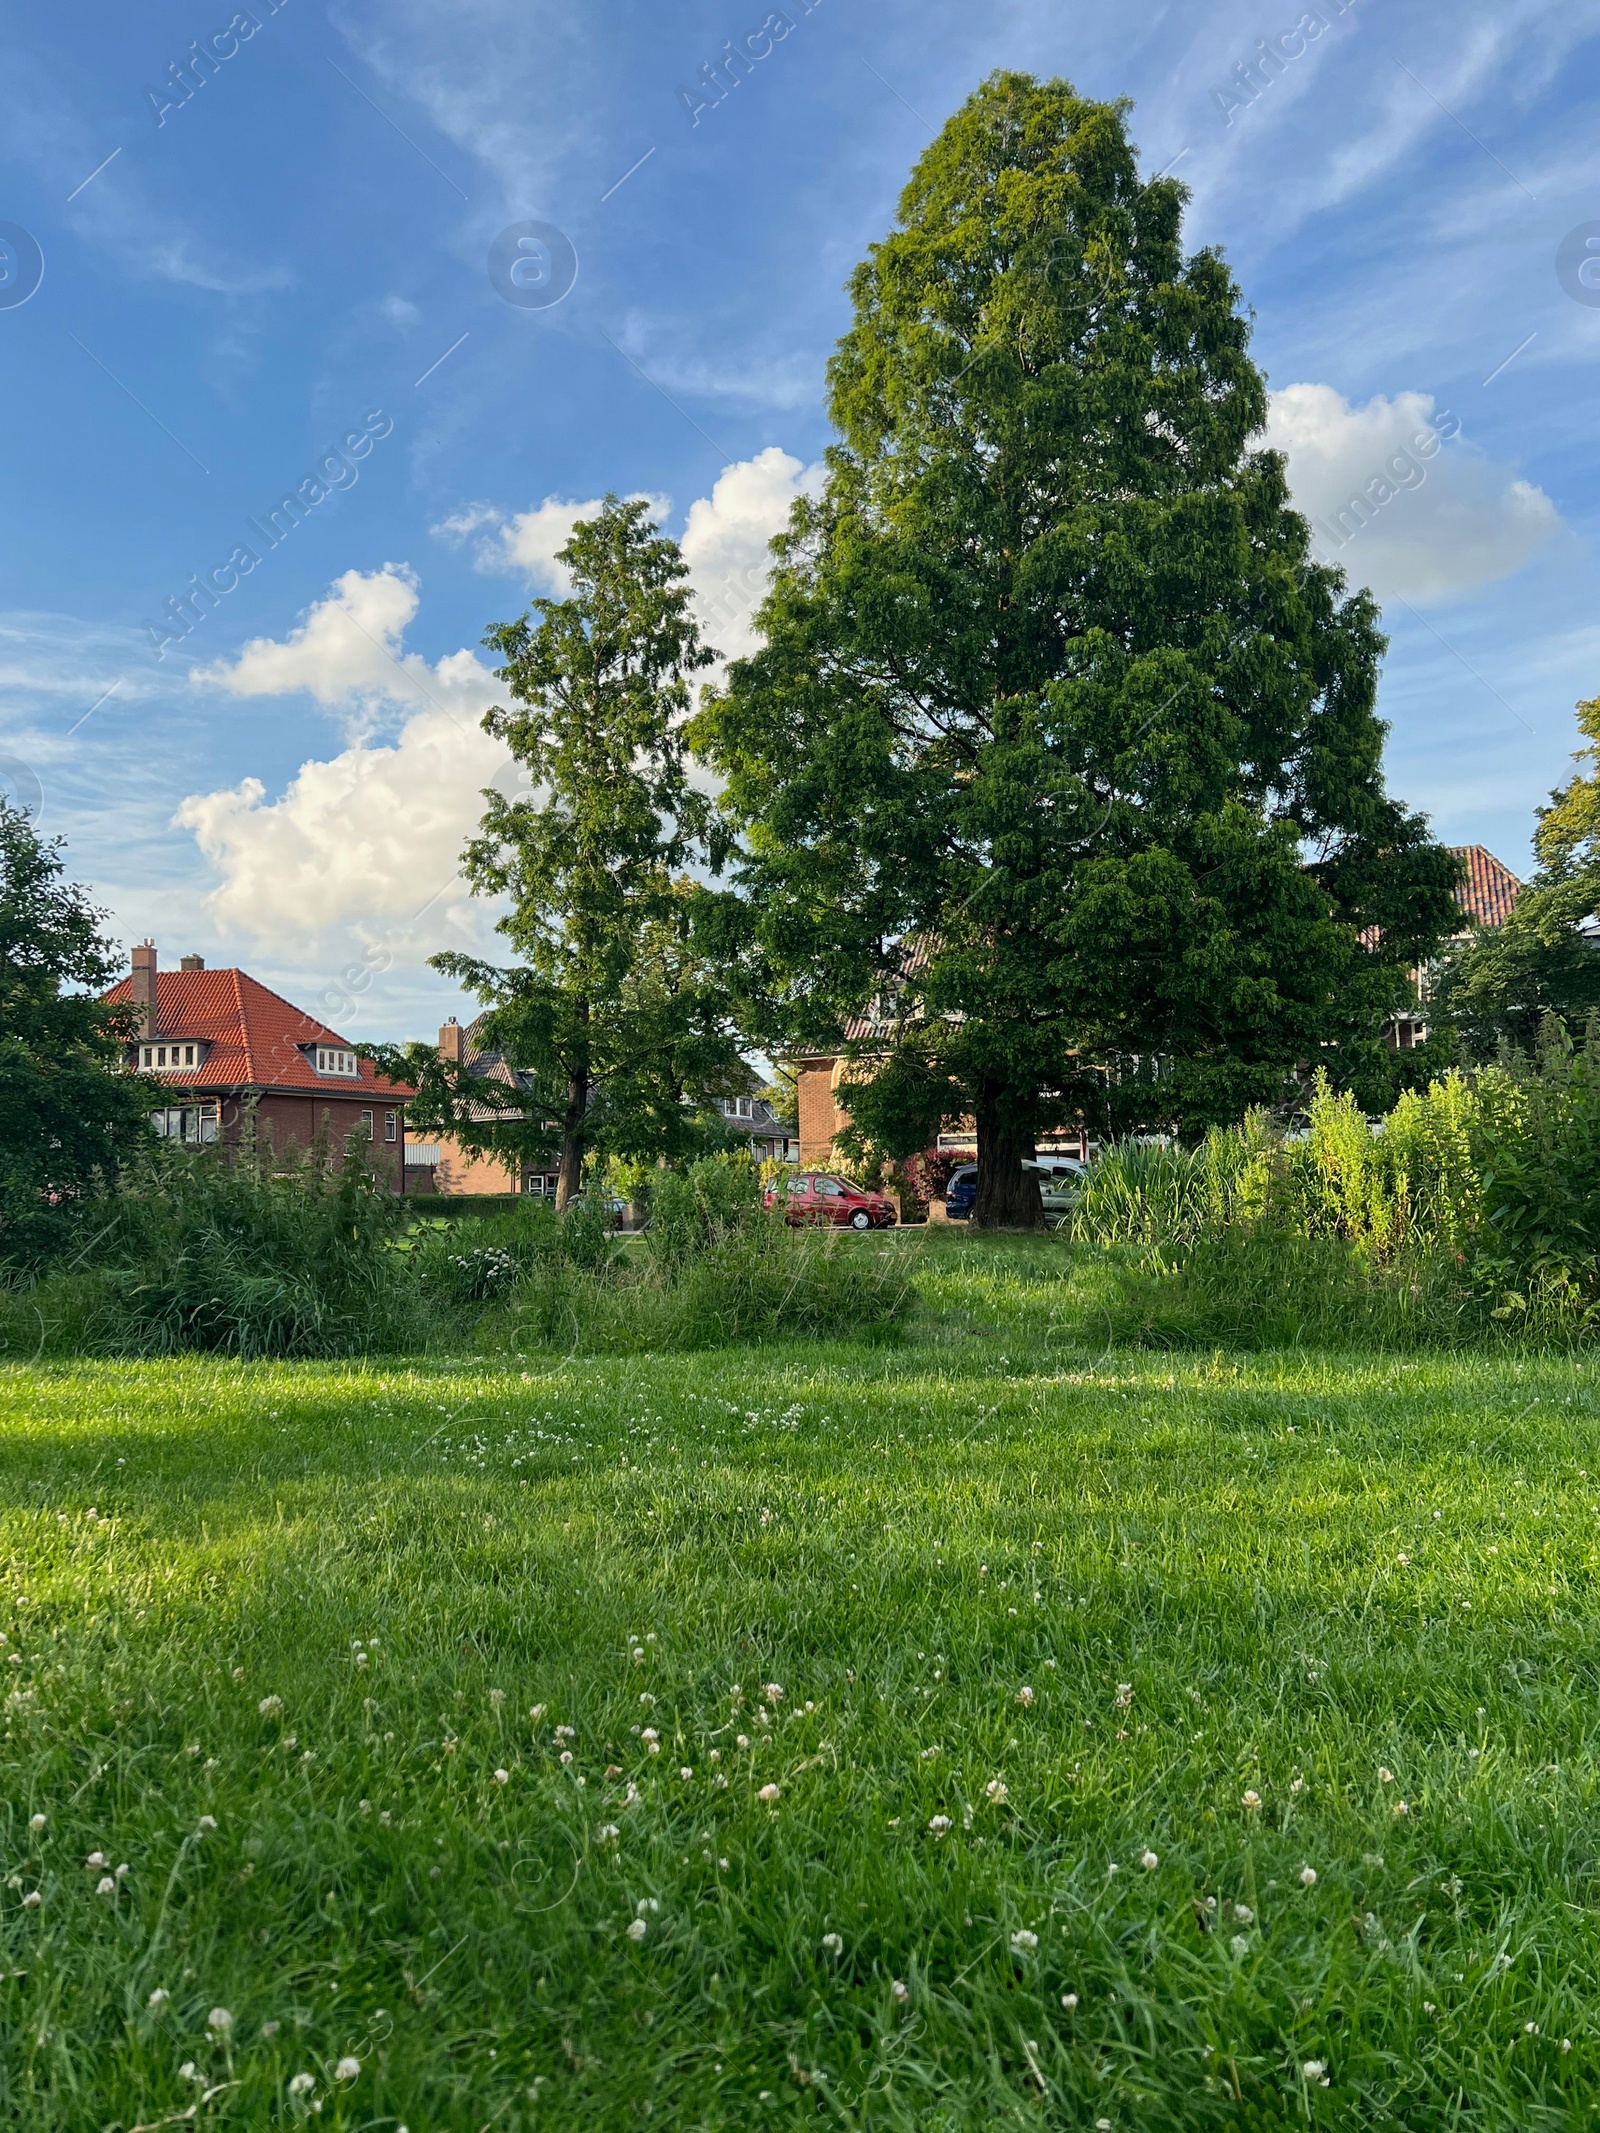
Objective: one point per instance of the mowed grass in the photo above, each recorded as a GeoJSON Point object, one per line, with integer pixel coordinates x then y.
{"type": "Point", "coordinates": [1161, 1741]}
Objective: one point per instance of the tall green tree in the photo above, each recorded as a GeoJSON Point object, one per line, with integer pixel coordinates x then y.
{"type": "Point", "coordinates": [1058, 778]}
{"type": "Point", "coordinates": [611, 1030]}
{"type": "Point", "coordinates": [70, 1118]}
{"type": "Point", "coordinates": [1498, 987]}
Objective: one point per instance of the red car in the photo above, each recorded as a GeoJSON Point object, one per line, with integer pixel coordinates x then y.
{"type": "Point", "coordinates": [820, 1197]}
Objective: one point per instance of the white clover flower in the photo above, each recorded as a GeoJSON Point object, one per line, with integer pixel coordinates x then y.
{"type": "Point", "coordinates": [1149, 1861]}
{"type": "Point", "coordinates": [833, 1943]}
{"type": "Point", "coordinates": [928, 1754]}
{"type": "Point", "coordinates": [502, 1777]}
{"type": "Point", "coordinates": [302, 2084]}
{"type": "Point", "coordinates": [1124, 1694]}
{"type": "Point", "coordinates": [607, 1833]}
{"type": "Point", "coordinates": [105, 1886]}
{"type": "Point", "coordinates": [647, 1699]}
{"type": "Point", "coordinates": [566, 1732]}
{"type": "Point", "coordinates": [207, 1822]}
{"type": "Point", "coordinates": [32, 1900]}
{"type": "Point", "coordinates": [1244, 1914]}
{"type": "Point", "coordinates": [95, 1859]}
{"type": "Point", "coordinates": [773, 1692]}
{"type": "Point", "coordinates": [1025, 1694]}
{"type": "Point", "coordinates": [1069, 2001]}
{"type": "Point", "coordinates": [996, 1789]}
{"type": "Point", "coordinates": [566, 1758]}
{"type": "Point", "coordinates": [1308, 1877]}
{"type": "Point", "coordinates": [1024, 1942]}
{"type": "Point", "coordinates": [685, 1773]}
{"type": "Point", "coordinates": [742, 1740]}
{"type": "Point", "coordinates": [637, 1929]}
{"type": "Point", "coordinates": [900, 1992]}
{"type": "Point", "coordinates": [220, 2022]}
{"type": "Point", "coordinates": [1252, 1800]}
{"type": "Point", "coordinates": [270, 1706]}
{"type": "Point", "coordinates": [1314, 2069]}
{"type": "Point", "coordinates": [158, 1999]}
{"type": "Point", "coordinates": [497, 1699]}
{"type": "Point", "coordinates": [770, 1792]}
{"type": "Point", "coordinates": [348, 2068]}
{"type": "Point", "coordinates": [36, 1823]}
{"type": "Point", "coordinates": [938, 1824]}
{"type": "Point", "coordinates": [1385, 1777]}
{"type": "Point", "coordinates": [1239, 1944]}
{"type": "Point", "coordinates": [536, 1712]}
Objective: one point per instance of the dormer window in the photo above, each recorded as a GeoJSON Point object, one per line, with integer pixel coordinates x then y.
{"type": "Point", "coordinates": [164, 1058]}
{"type": "Point", "coordinates": [334, 1059]}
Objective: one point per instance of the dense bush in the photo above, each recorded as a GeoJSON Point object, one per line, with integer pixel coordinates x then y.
{"type": "Point", "coordinates": [714, 1268]}
{"type": "Point", "coordinates": [1475, 1199]}
{"type": "Point", "coordinates": [254, 1260]}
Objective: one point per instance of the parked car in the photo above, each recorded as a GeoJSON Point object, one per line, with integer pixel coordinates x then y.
{"type": "Point", "coordinates": [819, 1196]}
{"type": "Point", "coordinates": [1060, 1179]}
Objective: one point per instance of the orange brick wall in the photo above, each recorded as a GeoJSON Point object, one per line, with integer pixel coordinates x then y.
{"type": "Point", "coordinates": [820, 1116]}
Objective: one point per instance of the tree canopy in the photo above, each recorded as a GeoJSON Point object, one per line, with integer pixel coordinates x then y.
{"type": "Point", "coordinates": [1497, 988]}
{"type": "Point", "coordinates": [1058, 775]}
{"type": "Point", "coordinates": [69, 1116]}
{"type": "Point", "coordinates": [611, 1031]}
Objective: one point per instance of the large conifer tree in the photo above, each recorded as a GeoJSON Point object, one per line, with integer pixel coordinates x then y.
{"type": "Point", "coordinates": [1060, 747]}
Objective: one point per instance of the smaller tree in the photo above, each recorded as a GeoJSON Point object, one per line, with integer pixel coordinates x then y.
{"type": "Point", "coordinates": [69, 1116]}
{"type": "Point", "coordinates": [1501, 984]}
{"type": "Point", "coordinates": [611, 1034]}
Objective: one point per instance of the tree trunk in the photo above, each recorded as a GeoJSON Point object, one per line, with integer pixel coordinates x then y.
{"type": "Point", "coordinates": [569, 1178]}
{"type": "Point", "coordinates": [1008, 1195]}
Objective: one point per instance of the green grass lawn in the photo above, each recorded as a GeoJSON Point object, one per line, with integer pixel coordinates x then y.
{"type": "Point", "coordinates": [987, 1731]}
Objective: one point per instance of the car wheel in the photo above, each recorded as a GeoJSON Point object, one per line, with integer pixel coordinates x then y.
{"type": "Point", "coordinates": [861, 1219]}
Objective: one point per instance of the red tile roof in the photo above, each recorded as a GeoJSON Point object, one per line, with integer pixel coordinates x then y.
{"type": "Point", "coordinates": [255, 1036]}
{"type": "Point", "coordinates": [1490, 888]}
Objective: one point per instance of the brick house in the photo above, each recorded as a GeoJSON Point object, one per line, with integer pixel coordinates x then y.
{"type": "Point", "coordinates": [229, 1049]}
{"type": "Point", "coordinates": [442, 1164]}
{"type": "Point", "coordinates": [1485, 897]}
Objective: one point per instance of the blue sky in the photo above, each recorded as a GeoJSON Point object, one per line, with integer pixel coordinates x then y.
{"type": "Point", "coordinates": [297, 255]}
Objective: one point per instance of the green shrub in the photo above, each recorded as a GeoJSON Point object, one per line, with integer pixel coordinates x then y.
{"type": "Point", "coordinates": [239, 1258]}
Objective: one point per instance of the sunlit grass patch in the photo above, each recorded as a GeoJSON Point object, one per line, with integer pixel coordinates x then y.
{"type": "Point", "coordinates": [1069, 1734]}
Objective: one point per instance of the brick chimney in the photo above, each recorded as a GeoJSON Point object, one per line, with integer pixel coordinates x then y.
{"type": "Point", "coordinates": [453, 1042]}
{"type": "Point", "coordinates": [192, 962]}
{"type": "Point", "coordinates": [144, 986]}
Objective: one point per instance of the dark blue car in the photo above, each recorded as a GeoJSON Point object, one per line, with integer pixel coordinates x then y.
{"type": "Point", "coordinates": [961, 1192]}
{"type": "Point", "coordinates": [1060, 1177]}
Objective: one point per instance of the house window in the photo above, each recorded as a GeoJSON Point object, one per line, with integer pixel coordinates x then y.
{"type": "Point", "coordinates": [743, 1107]}
{"type": "Point", "coordinates": [390, 1125]}
{"type": "Point", "coordinates": [194, 1125]}
{"type": "Point", "coordinates": [168, 1055]}
{"type": "Point", "coordinates": [366, 1124]}
{"type": "Point", "coordinates": [334, 1059]}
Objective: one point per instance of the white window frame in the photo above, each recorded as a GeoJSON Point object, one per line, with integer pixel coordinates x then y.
{"type": "Point", "coordinates": [336, 1060]}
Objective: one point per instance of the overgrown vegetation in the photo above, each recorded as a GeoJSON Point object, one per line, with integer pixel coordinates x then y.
{"type": "Point", "coordinates": [1472, 1209]}
{"type": "Point", "coordinates": [304, 1256]}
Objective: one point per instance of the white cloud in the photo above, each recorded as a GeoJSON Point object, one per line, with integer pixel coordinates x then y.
{"type": "Point", "coordinates": [1400, 499]}
{"type": "Point", "coordinates": [368, 841]}
{"type": "Point", "coordinates": [358, 841]}
{"type": "Point", "coordinates": [725, 541]}
{"type": "Point", "coordinates": [347, 656]}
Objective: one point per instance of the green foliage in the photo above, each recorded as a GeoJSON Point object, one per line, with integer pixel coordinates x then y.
{"type": "Point", "coordinates": [1053, 699]}
{"type": "Point", "coordinates": [715, 1268]}
{"type": "Point", "coordinates": [610, 1018]}
{"type": "Point", "coordinates": [1497, 988]}
{"type": "Point", "coordinates": [1541, 1185]}
{"type": "Point", "coordinates": [265, 1256]}
{"type": "Point", "coordinates": [70, 1118]}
